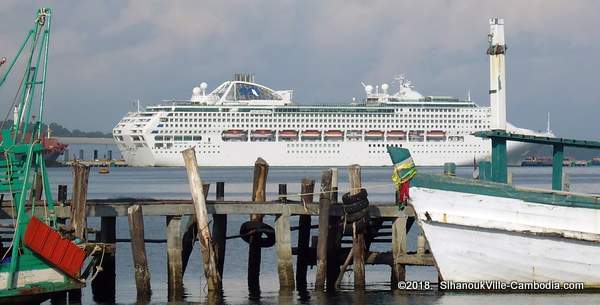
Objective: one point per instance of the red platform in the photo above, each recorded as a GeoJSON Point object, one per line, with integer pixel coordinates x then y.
{"type": "Point", "coordinates": [60, 252]}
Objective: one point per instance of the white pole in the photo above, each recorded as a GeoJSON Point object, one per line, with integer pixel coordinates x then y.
{"type": "Point", "coordinates": [496, 52]}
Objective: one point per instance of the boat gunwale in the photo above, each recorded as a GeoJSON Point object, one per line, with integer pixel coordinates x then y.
{"type": "Point", "coordinates": [471, 186]}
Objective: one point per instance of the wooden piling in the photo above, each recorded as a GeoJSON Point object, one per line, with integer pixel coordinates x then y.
{"type": "Point", "coordinates": [190, 234]}
{"type": "Point", "coordinates": [104, 284]}
{"type": "Point", "coordinates": [358, 244]}
{"type": "Point", "coordinates": [261, 169]}
{"type": "Point", "coordinates": [282, 193]}
{"type": "Point", "coordinates": [283, 239]}
{"type": "Point", "coordinates": [78, 204]}
{"type": "Point", "coordinates": [138, 251]}
{"type": "Point", "coordinates": [334, 237]}
{"type": "Point", "coordinates": [220, 230]}
{"type": "Point", "coordinates": [324, 205]}
{"type": "Point", "coordinates": [204, 236]}
{"type": "Point", "coordinates": [399, 249]}
{"type": "Point", "coordinates": [307, 187]}
{"type": "Point", "coordinates": [174, 258]}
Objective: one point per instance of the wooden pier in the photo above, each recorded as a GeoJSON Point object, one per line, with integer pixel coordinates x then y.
{"type": "Point", "coordinates": [320, 221]}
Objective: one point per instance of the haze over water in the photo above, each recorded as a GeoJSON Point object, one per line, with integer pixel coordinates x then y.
{"type": "Point", "coordinates": [172, 183]}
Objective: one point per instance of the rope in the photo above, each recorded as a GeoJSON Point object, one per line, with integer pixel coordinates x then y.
{"type": "Point", "coordinates": [99, 267]}
{"type": "Point", "coordinates": [375, 186]}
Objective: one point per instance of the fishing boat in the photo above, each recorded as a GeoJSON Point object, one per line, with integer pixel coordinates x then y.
{"type": "Point", "coordinates": [39, 261]}
{"type": "Point", "coordinates": [489, 230]}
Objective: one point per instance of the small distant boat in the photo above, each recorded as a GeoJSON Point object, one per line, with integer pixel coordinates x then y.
{"type": "Point", "coordinates": [288, 135]}
{"type": "Point", "coordinates": [396, 135]}
{"type": "Point", "coordinates": [234, 135]}
{"type": "Point", "coordinates": [436, 135]}
{"type": "Point", "coordinates": [334, 135]}
{"type": "Point", "coordinates": [104, 170]}
{"type": "Point", "coordinates": [311, 135]}
{"type": "Point", "coordinates": [374, 135]}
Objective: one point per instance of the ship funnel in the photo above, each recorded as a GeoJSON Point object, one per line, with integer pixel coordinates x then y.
{"type": "Point", "coordinates": [496, 51]}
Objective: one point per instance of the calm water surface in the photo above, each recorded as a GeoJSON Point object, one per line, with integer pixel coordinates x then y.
{"type": "Point", "coordinates": [172, 183]}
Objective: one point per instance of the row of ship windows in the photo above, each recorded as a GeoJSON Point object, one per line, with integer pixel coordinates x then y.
{"type": "Point", "coordinates": [427, 126]}
{"type": "Point", "coordinates": [453, 119]}
{"type": "Point", "coordinates": [325, 114]}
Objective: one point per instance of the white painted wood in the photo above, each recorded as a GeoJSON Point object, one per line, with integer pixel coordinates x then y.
{"type": "Point", "coordinates": [477, 237]}
{"type": "Point", "coordinates": [506, 213]}
{"type": "Point", "coordinates": [31, 277]}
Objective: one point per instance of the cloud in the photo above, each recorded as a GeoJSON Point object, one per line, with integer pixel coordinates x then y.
{"type": "Point", "coordinates": [107, 53]}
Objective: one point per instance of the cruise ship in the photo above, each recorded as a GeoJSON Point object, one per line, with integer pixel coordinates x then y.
{"type": "Point", "coordinates": [241, 120]}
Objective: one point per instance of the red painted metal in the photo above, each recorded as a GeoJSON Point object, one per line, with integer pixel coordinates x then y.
{"type": "Point", "coordinates": [60, 252]}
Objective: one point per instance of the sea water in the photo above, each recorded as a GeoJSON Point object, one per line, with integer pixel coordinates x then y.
{"type": "Point", "coordinates": [171, 183]}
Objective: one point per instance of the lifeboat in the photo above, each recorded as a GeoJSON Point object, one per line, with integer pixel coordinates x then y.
{"type": "Point", "coordinates": [234, 135]}
{"type": "Point", "coordinates": [416, 136]}
{"type": "Point", "coordinates": [333, 135]}
{"type": "Point", "coordinates": [262, 135]}
{"type": "Point", "coordinates": [311, 135]}
{"type": "Point", "coordinates": [288, 135]}
{"type": "Point", "coordinates": [396, 135]}
{"type": "Point", "coordinates": [374, 135]}
{"type": "Point", "coordinates": [436, 135]}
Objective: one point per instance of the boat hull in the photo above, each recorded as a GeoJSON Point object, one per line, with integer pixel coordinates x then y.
{"type": "Point", "coordinates": [487, 238]}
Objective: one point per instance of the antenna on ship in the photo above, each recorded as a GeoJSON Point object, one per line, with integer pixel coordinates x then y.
{"type": "Point", "coordinates": [469, 95]}
{"type": "Point", "coordinates": [138, 105]}
{"type": "Point", "coordinates": [548, 130]}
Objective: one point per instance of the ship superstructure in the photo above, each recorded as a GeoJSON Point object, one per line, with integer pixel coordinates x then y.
{"type": "Point", "coordinates": [241, 120]}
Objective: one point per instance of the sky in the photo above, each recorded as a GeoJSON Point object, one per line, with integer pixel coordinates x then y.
{"type": "Point", "coordinates": [105, 55]}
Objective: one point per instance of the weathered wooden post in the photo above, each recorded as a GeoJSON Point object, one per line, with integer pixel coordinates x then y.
{"type": "Point", "coordinates": [307, 187]}
{"type": "Point", "coordinates": [335, 236]}
{"type": "Point", "coordinates": [261, 169]}
{"type": "Point", "coordinates": [398, 250]}
{"type": "Point", "coordinates": [138, 250]}
{"type": "Point", "coordinates": [220, 230]}
{"type": "Point", "coordinates": [206, 246]}
{"type": "Point", "coordinates": [282, 193]}
{"type": "Point", "coordinates": [174, 258]}
{"type": "Point", "coordinates": [283, 240]}
{"type": "Point", "coordinates": [78, 204]}
{"type": "Point", "coordinates": [191, 233]}
{"type": "Point", "coordinates": [104, 285]}
{"type": "Point", "coordinates": [358, 241]}
{"type": "Point", "coordinates": [324, 205]}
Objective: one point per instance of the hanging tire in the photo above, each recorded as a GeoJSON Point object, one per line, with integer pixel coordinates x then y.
{"type": "Point", "coordinates": [356, 216]}
{"type": "Point", "coordinates": [355, 207]}
{"type": "Point", "coordinates": [257, 230]}
{"type": "Point", "coordinates": [348, 198]}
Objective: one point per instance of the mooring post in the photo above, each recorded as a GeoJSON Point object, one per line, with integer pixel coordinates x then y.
{"type": "Point", "coordinates": [174, 258]}
{"type": "Point", "coordinates": [307, 189]}
{"type": "Point", "coordinates": [220, 230]}
{"type": "Point", "coordinates": [103, 286]}
{"type": "Point", "coordinates": [282, 193]}
{"type": "Point", "coordinates": [190, 234]}
{"type": "Point", "coordinates": [204, 235]}
{"type": "Point", "coordinates": [283, 241]}
{"type": "Point", "coordinates": [399, 249]}
{"type": "Point", "coordinates": [78, 204]}
{"type": "Point", "coordinates": [358, 241]}
{"type": "Point", "coordinates": [138, 251]}
{"type": "Point", "coordinates": [324, 205]}
{"type": "Point", "coordinates": [334, 237]}
{"type": "Point", "coordinates": [261, 169]}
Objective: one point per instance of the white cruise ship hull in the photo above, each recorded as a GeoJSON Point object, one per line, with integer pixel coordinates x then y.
{"type": "Point", "coordinates": [302, 153]}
